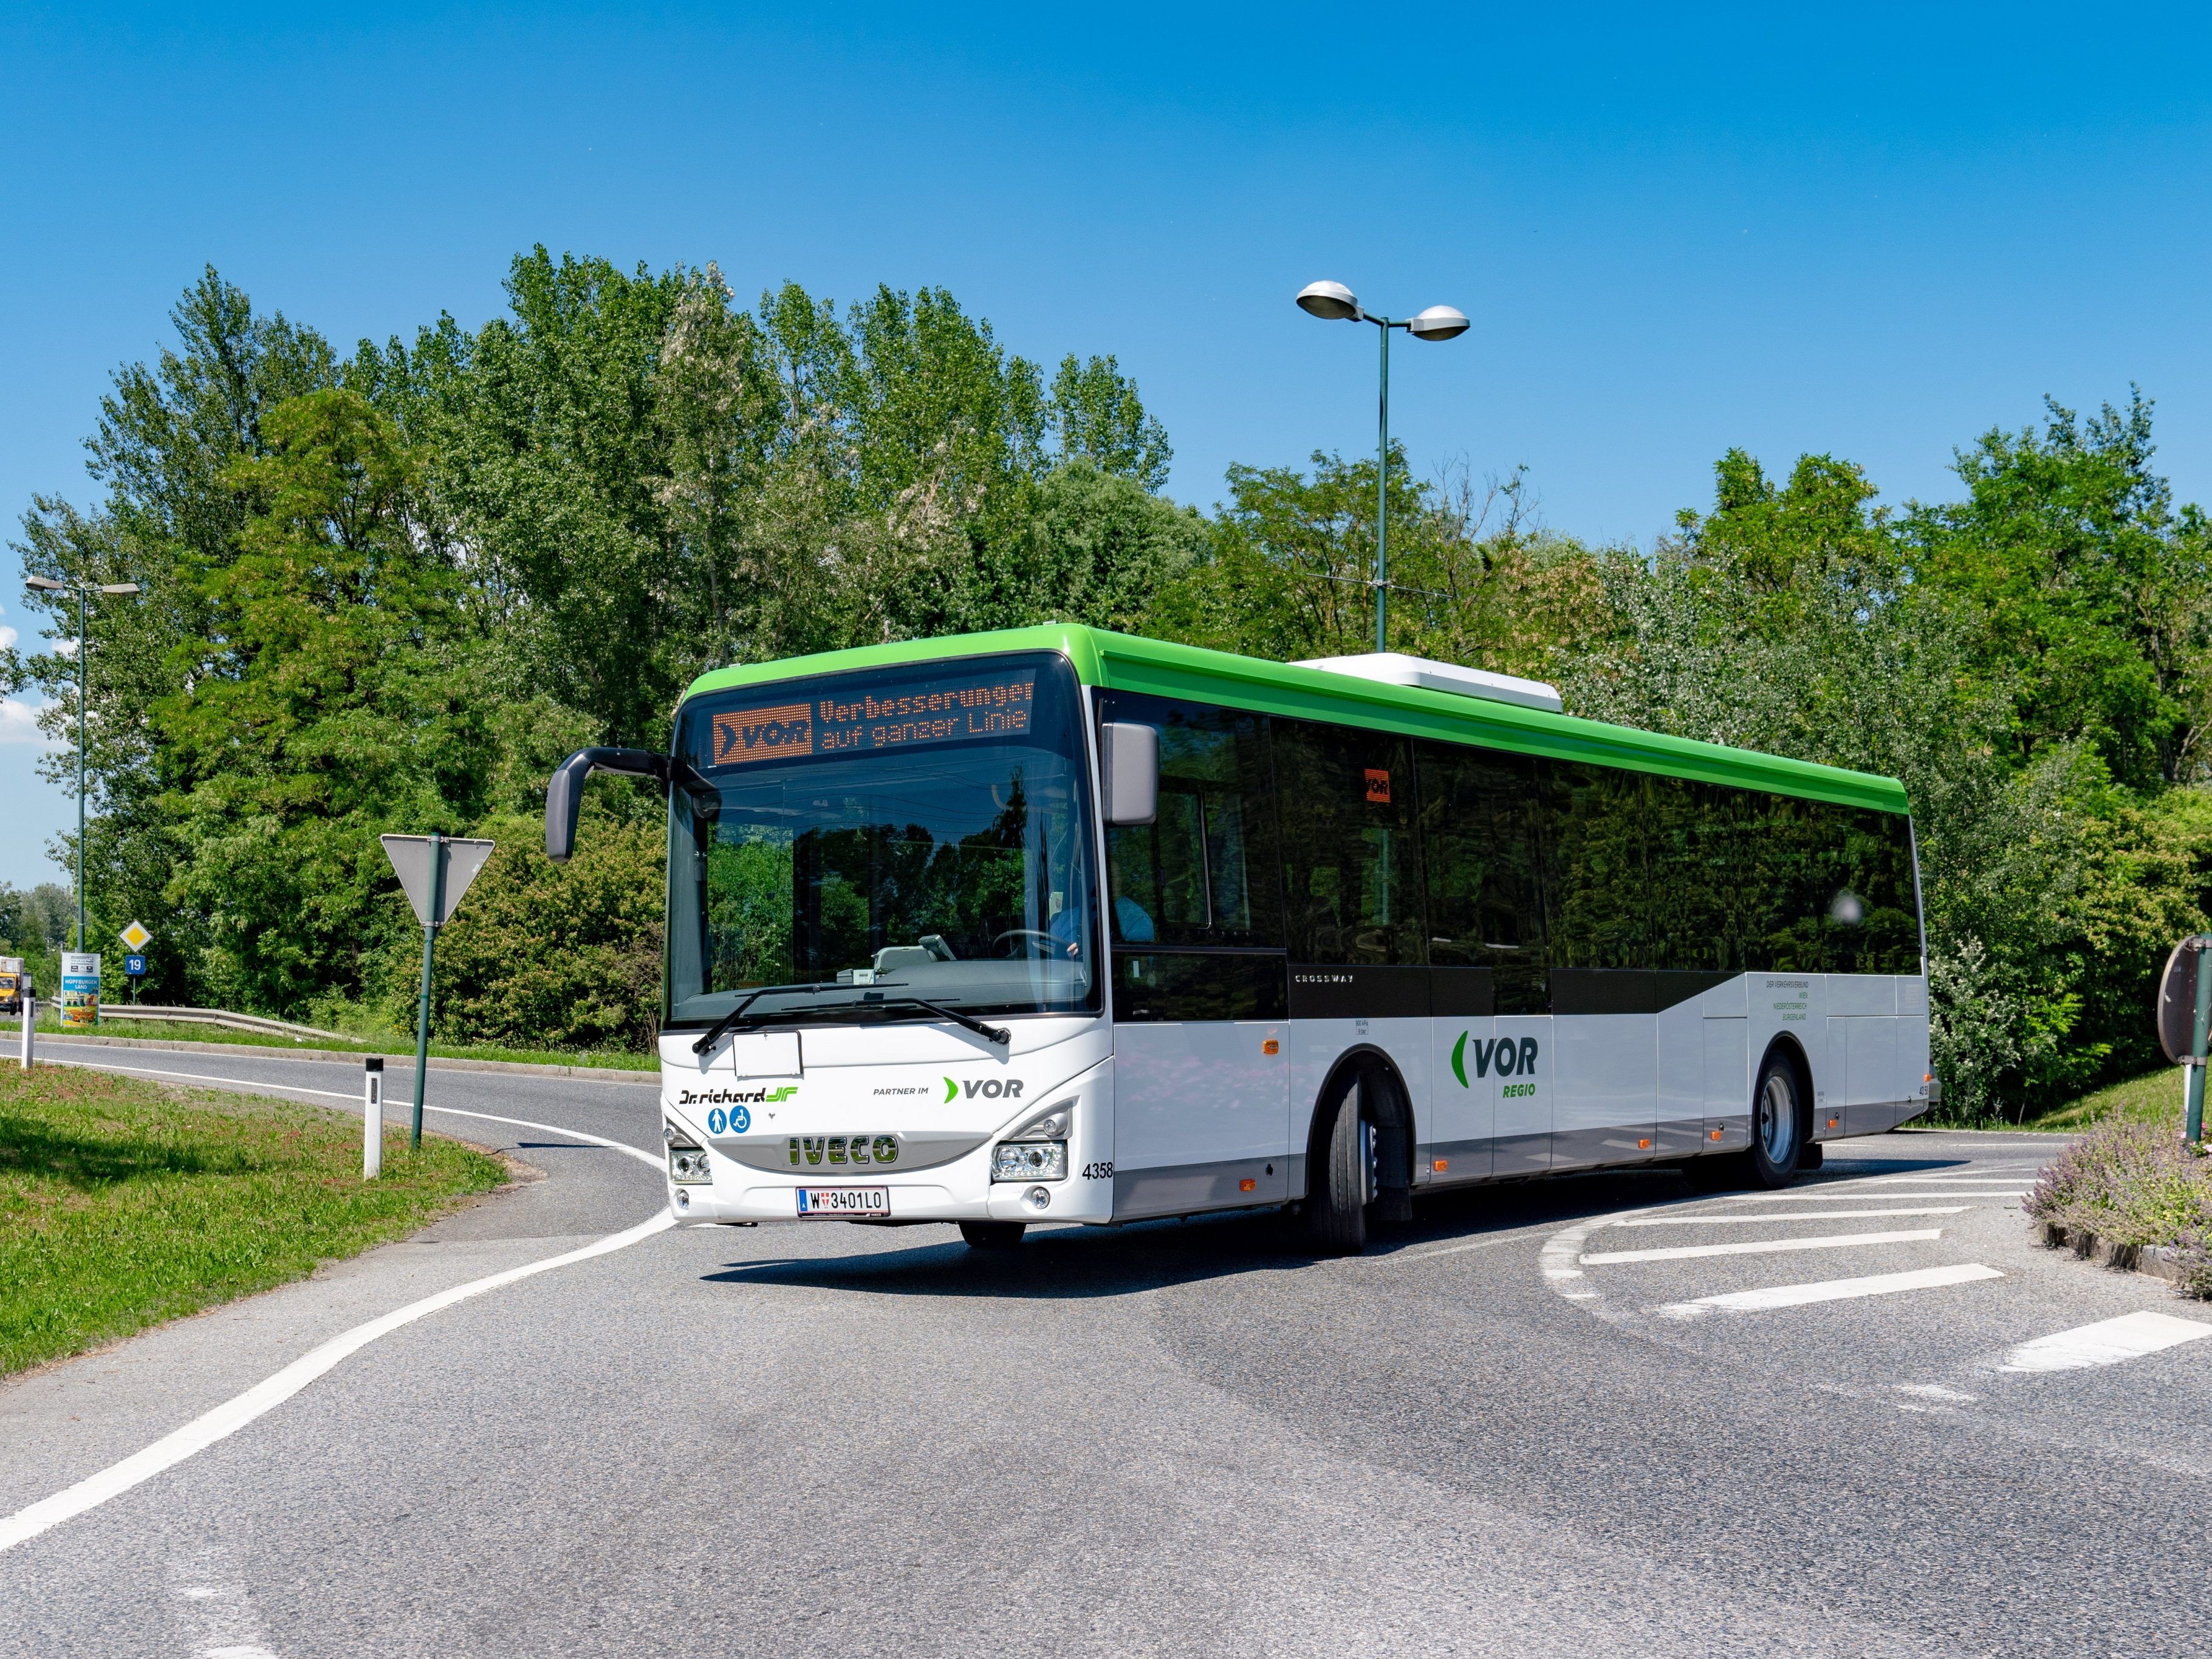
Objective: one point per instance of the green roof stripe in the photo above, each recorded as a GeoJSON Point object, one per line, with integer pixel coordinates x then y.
{"type": "Point", "coordinates": [1122, 662]}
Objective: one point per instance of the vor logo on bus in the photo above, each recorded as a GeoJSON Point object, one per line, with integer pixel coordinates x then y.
{"type": "Point", "coordinates": [1511, 1058]}
{"type": "Point", "coordinates": [991, 1088]}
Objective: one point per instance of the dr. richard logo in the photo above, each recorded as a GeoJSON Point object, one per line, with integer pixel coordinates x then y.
{"type": "Point", "coordinates": [763, 1095]}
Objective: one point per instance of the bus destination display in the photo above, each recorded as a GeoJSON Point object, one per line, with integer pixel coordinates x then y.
{"type": "Point", "coordinates": [935, 708]}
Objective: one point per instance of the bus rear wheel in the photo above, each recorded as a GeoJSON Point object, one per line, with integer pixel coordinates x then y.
{"type": "Point", "coordinates": [1777, 1125]}
{"type": "Point", "coordinates": [1336, 1203]}
{"type": "Point", "coordinates": [994, 1235]}
{"type": "Point", "coordinates": [1777, 1152]}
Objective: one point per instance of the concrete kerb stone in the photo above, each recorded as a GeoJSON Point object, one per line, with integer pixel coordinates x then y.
{"type": "Point", "coordinates": [516, 1067]}
{"type": "Point", "coordinates": [2159, 1261]}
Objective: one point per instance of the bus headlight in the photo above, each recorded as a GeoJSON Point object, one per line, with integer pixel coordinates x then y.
{"type": "Point", "coordinates": [1029, 1160]}
{"type": "Point", "coordinates": [687, 1166]}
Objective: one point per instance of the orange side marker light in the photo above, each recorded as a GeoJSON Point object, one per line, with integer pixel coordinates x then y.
{"type": "Point", "coordinates": [1442, 1164]}
{"type": "Point", "coordinates": [1246, 1186]}
{"type": "Point", "coordinates": [1831, 1123]}
{"type": "Point", "coordinates": [1643, 1143]}
{"type": "Point", "coordinates": [1271, 1046]}
{"type": "Point", "coordinates": [1713, 1134]}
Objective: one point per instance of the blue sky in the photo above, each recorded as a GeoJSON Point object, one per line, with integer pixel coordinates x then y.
{"type": "Point", "coordinates": [1875, 231]}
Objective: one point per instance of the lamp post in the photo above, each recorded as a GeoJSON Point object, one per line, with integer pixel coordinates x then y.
{"type": "Point", "coordinates": [1334, 302]}
{"type": "Point", "coordinates": [84, 591]}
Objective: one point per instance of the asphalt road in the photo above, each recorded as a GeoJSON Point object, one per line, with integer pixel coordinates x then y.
{"type": "Point", "coordinates": [1511, 1428]}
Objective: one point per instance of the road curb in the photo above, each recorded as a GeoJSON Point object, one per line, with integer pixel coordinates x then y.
{"type": "Point", "coordinates": [516, 1067]}
{"type": "Point", "coordinates": [2157, 1261]}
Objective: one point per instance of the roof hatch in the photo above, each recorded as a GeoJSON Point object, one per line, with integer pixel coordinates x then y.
{"type": "Point", "coordinates": [1396, 668]}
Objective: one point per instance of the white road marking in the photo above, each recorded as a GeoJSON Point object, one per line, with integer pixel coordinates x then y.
{"type": "Point", "coordinates": [1834, 1290]}
{"type": "Point", "coordinates": [2107, 1342]}
{"type": "Point", "coordinates": [1760, 1247]}
{"type": "Point", "coordinates": [1449, 1250]}
{"type": "Point", "coordinates": [1802, 1195]}
{"type": "Point", "coordinates": [331, 1094]}
{"type": "Point", "coordinates": [1937, 1391]}
{"type": "Point", "coordinates": [1983, 1177]}
{"type": "Point", "coordinates": [1802, 1215]}
{"type": "Point", "coordinates": [235, 1413]}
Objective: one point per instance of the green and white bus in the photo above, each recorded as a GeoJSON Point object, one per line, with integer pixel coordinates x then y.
{"type": "Point", "coordinates": [1058, 925]}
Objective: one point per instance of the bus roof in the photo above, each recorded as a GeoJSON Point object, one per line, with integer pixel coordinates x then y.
{"type": "Point", "coordinates": [1123, 662]}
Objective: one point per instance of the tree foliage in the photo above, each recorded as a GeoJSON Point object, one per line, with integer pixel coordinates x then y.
{"type": "Point", "coordinates": [387, 591]}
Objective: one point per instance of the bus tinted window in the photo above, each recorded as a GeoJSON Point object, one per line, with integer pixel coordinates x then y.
{"type": "Point", "coordinates": [1351, 862]}
{"type": "Point", "coordinates": [1203, 872]}
{"type": "Point", "coordinates": [1479, 817]}
{"type": "Point", "coordinates": [1834, 890]}
{"type": "Point", "coordinates": [1597, 874]}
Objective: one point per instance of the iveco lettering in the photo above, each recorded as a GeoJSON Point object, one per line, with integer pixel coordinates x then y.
{"type": "Point", "coordinates": [1058, 925]}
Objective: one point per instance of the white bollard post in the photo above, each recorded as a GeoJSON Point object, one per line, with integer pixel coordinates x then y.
{"type": "Point", "coordinates": [372, 1126]}
{"type": "Point", "coordinates": [30, 1019]}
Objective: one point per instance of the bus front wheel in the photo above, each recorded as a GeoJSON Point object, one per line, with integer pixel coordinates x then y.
{"type": "Point", "coordinates": [992, 1235]}
{"type": "Point", "coordinates": [1336, 1206]}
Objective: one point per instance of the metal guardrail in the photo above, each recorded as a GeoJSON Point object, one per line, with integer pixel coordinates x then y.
{"type": "Point", "coordinates": [217, 1016]}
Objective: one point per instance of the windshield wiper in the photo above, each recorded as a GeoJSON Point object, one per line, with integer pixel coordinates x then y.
{"type": "Point", "coordinates": [720, 1027]}
{"type": "Point", "coordinates": [998, 1034]}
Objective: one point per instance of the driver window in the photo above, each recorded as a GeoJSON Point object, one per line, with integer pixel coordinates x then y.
{"type": "Point", "coordinates": [1203, 872]}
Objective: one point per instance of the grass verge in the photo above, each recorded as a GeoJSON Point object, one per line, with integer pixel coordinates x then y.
{"type": "Point", "coordinates": [2129, 1178]}
{"type": "Point", "coordinates": [166, 1031]}
{"type": "Point", "coordinates": [124, 1203]}
{"type": "Point", "coordinates": [2154, 1097]}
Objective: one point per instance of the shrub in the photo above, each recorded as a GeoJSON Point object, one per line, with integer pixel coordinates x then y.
{"type": "Point", "coordinates": [545, 956]}
{"type": "Point", "coordinates": [2134, 1183]}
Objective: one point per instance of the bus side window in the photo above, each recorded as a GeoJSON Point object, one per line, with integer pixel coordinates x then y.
{"type": "Point", "coordinates": [1479, 842]}
{"type": "Point", "coordinates": [1202, 873]}
{"type": "Point", "coordinates": [1351, 854]}
{"type": "Point", "coordinates": [1597, 880]}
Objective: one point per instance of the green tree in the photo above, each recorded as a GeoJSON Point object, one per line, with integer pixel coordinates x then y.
{"type": "Point", "coordinates": [2083, 581]}
{"type": "Point", "coordinates": [331, 700]}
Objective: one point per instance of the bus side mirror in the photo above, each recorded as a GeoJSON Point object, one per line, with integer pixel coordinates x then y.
{"type": "Point", "coordinates": [564, 791]}
{"type": "Point", "coordinates": [1129, 771]}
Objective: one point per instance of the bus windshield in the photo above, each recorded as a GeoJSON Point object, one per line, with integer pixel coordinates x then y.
{"type": "Point", "coordinates": [882, 840]}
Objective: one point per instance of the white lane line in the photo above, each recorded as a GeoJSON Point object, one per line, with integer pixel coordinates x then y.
{"type": "Point", "coordinates": [1805, 1195]}
{"type": "Point", "coordinates": [1760, 1247]}
{"type": "Point", "coordinates": [2107, 1342]}
{"type": "Point", "coordinates": [1767, 1218]}
{"type": "Point", "coordinates": [331, 1094]}
{"type": "Point", "coordinates": [1887, 1184]}
{"type": "Point", "coordinates": [1834, 1290]}
{"type": "Point", "coordinates": [235, 1414]}
{"type": "Point", "coordinates": [1449, 1250]}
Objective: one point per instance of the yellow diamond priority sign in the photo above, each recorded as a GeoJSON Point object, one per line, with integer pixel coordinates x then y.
{"type": "Point", "coordinates": [136, 936]}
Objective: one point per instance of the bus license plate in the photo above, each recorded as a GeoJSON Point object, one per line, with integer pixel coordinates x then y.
{"type": "Point", "coordinates": [843, 1203]}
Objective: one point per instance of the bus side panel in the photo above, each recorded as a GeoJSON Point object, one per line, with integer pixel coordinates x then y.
{"type": "Point", "coordinates": [1606, 1089]}
{"type": "Point", "coordinates": [1679, 1127]}
{"type": "Point", "coordinates": [1463, 1119]}
{"type": "Point", "coordinates": [1200, 1108]}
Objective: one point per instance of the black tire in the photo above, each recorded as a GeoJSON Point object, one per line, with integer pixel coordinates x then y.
{"type": "Point", "coordinates": [1777, 1124]}
{"type": "Point", "coordinates": [1336, 1199]}
{"type": "Point", "coordinates": [994, 1235]}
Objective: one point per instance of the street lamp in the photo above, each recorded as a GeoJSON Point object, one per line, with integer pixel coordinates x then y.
{"type": "Point", "coordinates": [84, 591]}
{"type": "Point", "coordinates": [1334, 302]}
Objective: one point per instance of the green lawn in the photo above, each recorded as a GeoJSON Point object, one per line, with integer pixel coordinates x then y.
{"type": "Point", "coordinates": [163, 1031]}
{"type": "Point", "coordinates": [125, 1203]}
{"type": "Point", "coordinates": [2154, 1097]}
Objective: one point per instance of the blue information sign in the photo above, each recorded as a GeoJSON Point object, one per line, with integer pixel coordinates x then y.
{"type": "Point", "coordinates": [134, 967]}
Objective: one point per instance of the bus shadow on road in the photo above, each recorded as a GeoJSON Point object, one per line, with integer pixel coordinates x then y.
{"type": "Point", "coordinates": [1075, 1262]}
